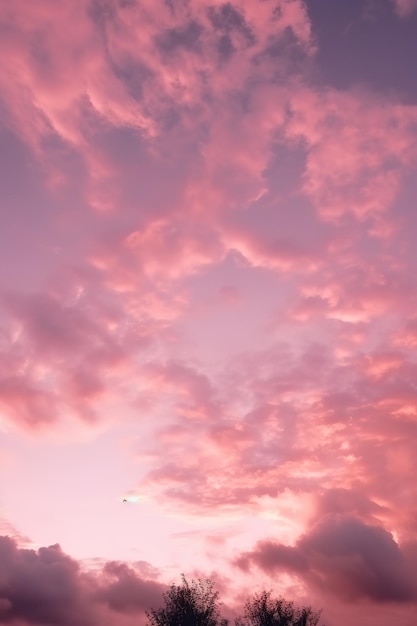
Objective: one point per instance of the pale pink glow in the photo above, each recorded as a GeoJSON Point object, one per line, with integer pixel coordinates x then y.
{"type": "Point", "coordinates": [208, 305]}
{"type": "Point", "coordinates": [405, 7]}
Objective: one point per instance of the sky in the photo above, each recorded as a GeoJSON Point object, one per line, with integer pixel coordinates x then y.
{"type": "Point", "coordinates": [208, 306]}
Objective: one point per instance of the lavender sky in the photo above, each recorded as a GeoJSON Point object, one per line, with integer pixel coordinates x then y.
{"type": "Point", "coordinates": [208, 306]}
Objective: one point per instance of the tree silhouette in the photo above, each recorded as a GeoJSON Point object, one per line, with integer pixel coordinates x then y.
{"type": "Point", "coordinates": [189, 604]}
{"type": "Point", "coordinates": [263, 610]}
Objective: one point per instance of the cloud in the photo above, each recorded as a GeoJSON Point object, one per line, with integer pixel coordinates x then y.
{"type": "Point", "coordinates": [126, 592]}
{"type": "Point", "coordinates": [170, 249]}
{"type": "Point", "coordinates": [358, 147]}
{"type": "Point", "coordinates": [58, 350]}
{"type": "Point", "coordinates": [339, 501]}
{"type": "Point", "coordinates": [169, 111]}
{"type": "Point", "coordinates": [46, 586]}
{"type": "Point", "coordinates": [40, 587]}
{"type": "Point", "coordinates": [340, 553]}
{"type": "Point", "coordinates": [124, 85]}
{"type": "Point", "coordinates": [405, 7]}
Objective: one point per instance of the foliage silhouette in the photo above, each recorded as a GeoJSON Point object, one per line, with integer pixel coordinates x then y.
{"type": "Point", "coordinates": [189, 604]}
{"type": "Point", "coordinates": [263, 610]}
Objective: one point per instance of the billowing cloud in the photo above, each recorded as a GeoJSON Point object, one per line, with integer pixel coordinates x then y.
{"type": "Point", "coordinates": [344, 555]}
{"type": "Point", "coordinates": [48, 587]}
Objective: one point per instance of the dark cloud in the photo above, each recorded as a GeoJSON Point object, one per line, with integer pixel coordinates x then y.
{"type": "Point", "coordinates": [126, 592]}
{"type": "Point", "coordinates": [344, 555]}
{"type": "Point", "coordinates": [48, 587]}
{"type": "Point", "coordinates": [350, 501]}
{"type": "Point", "coordinates": [40, 587]}
{"type": "Point", "coordinates": [231, 28]}
{"type": "Point", "coordinates": [225, 47]}
{"type": "Point", "coordinates": [52, 326]}
{"type": "Point", "coordinates": [101, 11]}
{"type": "Point", "coordinates": [226, 18]}
{"type": "Point", "coordinates": [270, 556]}
{"type": "Point", "coordinates": [133, 75]}
{"type": "Point", "coordinates": [187, 37]}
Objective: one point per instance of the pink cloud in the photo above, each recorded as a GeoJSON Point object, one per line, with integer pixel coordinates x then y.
{"type": "Point", "coordinates": [358, 147]}
{"type": "Point", "coordinates": [173, 250]}
{"type": "Point", "coordinates": [280, 254]}
{"type": "Point", "coordinates": [27, 404]}
{"type": "Point", "coordinates": [170, 66]}
{"type": "Point", "coordinates": [196, 397]}
{"type": "Point", "coordinates": [313, 424]}
{"type": "Point", "coordinates": [61, 353]}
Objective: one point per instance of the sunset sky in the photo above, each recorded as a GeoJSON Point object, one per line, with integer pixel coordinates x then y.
{"type": "Point", "coordinates": [208, 306]}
